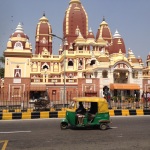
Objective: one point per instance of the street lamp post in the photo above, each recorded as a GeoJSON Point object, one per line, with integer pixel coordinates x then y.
{"type": "Point", "coordinates": [64, 42]}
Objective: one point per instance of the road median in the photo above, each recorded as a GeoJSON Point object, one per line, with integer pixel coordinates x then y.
{"type": "Point", "coordinates": [61, 114]}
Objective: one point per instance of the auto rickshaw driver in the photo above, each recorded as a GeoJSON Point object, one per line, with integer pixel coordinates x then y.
{"type": "Point", "coordinates": [80, 113]}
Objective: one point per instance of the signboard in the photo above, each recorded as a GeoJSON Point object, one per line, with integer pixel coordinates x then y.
{"type": "Point", "coordinates": [17, 80]}
{"type": "Point", "coordinates": [88, 81]}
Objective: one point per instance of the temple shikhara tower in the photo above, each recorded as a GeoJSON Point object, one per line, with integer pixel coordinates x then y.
{"type": "Point", "coordinates": [86, 64]}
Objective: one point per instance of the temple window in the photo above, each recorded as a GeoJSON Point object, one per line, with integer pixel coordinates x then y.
{"type": "Point", "coordinates": [92, 62]}
{"type": "Point", "coordinates": [80, 47]}
{"type": "Point", "coordinates": [135, 74]}
{"type": "Point", "coordinates": [70, 62]}
{"type": "Point", "coordinates": [45, 66]}
{"type": "Point", "coordinates": [80, 64]}
{"type": "Point", "coordinates": [105, 74]}
{"type": "Point", "coordinates": [18, 45]}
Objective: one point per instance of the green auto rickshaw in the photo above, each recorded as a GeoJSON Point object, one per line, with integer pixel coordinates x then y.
{"type": "Point", "coordinates": [96, 114]}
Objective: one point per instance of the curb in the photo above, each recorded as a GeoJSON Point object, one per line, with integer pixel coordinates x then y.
{"type": "Point", "coordinates": [61, 114]}
{"type": "Point", "coordinates": [129, 112]}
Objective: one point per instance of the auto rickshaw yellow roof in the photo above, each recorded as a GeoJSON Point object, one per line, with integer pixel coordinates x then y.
{"type": "Point", "coordinates": [89, 99]}
{"type": "Point", "coordinates": [102, 103]}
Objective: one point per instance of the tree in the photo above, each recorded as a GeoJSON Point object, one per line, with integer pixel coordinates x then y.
{"type": "Point", "coordinates": [1, 72]}
{"type": "Point", "coordinates": [2, 60]}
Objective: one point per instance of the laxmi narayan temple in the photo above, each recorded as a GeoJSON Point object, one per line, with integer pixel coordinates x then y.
{"type": "Point", "coordinates": [86, 64]}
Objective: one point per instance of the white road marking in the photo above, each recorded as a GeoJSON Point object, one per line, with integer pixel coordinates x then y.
{"type": "Point", "coordinates": [130, 116]}
{"type": "Point", "coordinates": [15, 132]}
{"type": "Point", "coordinates": [120, 136]}
{"type": "Point", "coordinates": [39, 119]}
{"type": "Point", "coordinates": [113, 127]}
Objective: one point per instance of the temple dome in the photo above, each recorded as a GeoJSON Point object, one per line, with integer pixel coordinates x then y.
{"type": "Point", "coordinates": [104, 32]}
{"type": "Point", "coordinates": [117, 44]}
{"type": "Point", "coordinates": [75, 16]}
{"type": "Point", "coordinates": [43, 37]}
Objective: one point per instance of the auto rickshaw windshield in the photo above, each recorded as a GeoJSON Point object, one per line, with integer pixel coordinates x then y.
{"type": "Point", "coordinates": [72, 105]}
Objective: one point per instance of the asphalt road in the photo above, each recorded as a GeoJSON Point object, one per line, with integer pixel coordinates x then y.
{"type": "Point", "coordinates": [126, 133]}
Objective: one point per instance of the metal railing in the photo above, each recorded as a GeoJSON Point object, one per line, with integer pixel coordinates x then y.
{"type": "Point", "coordinates": [25, 103]}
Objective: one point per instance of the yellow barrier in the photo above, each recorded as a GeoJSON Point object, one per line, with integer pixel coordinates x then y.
{"type": "Point", "coordinates": [7, 116]}
{"type": "Point", "coordinates": [111, 112]}
{"type": "Point", "coordinates": [61, 114]}
{"type": "Point", "coordinates": [125, 112]}
{"type": "Point", "coordinates": [139, 112]}
{"type": "Point", "coordinates": [26, 115]}
{"type": "Point", "coordinates": [44, 114]}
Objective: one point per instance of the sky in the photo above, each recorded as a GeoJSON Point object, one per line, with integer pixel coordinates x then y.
{"type": "Point", "coordinates": [130, 17]}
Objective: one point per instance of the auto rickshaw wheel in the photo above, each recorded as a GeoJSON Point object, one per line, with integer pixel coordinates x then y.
{"type": "Point", "coordinates": [64, 125]}
{"type": "Point", "coordinates": [103, 126]}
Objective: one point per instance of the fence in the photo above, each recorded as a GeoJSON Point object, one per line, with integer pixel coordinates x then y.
{"type": "Point", "coordinates": [25, 102]}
